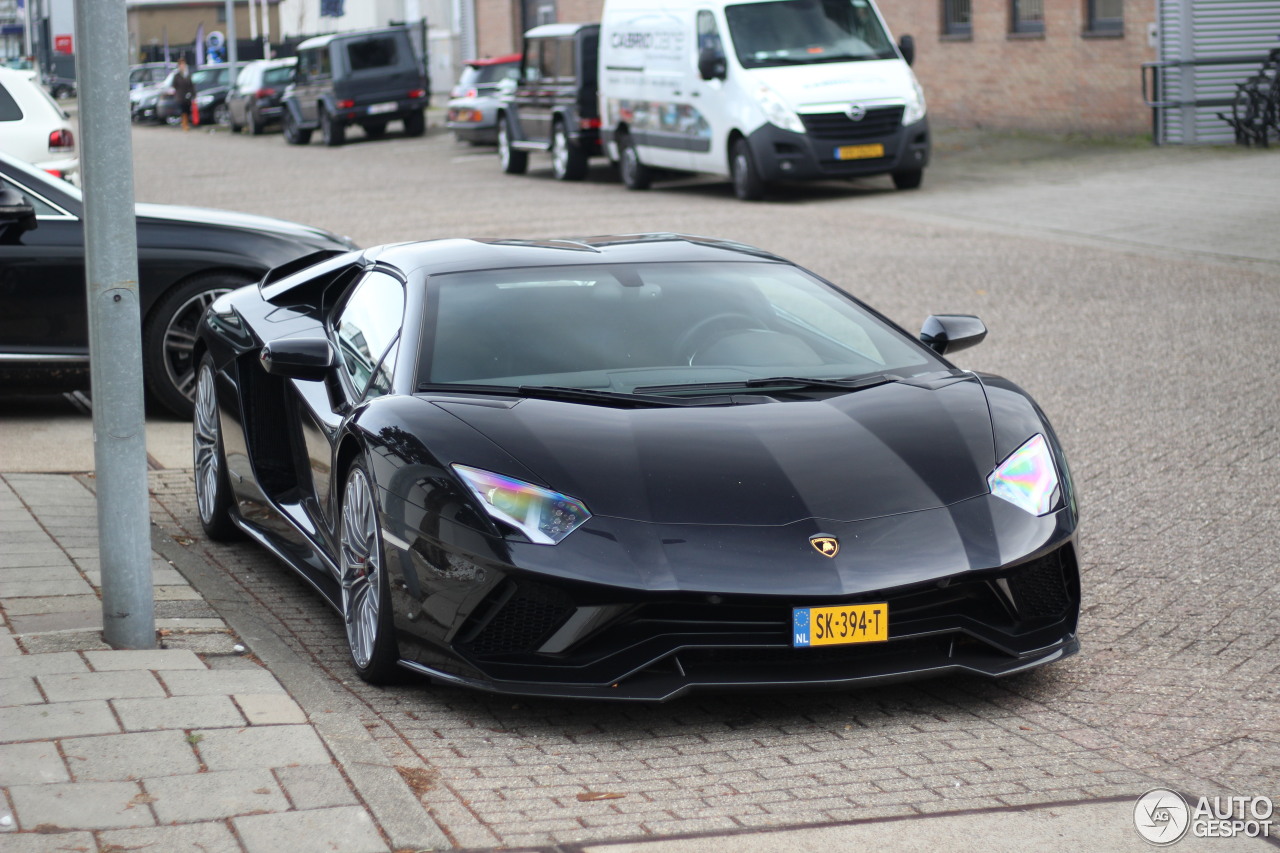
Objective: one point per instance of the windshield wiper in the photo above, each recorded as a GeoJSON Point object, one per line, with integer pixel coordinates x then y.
{"type": "Point", "coordinates": [779, 381]}
{"type": "Point", "coordinates": [568, 394]}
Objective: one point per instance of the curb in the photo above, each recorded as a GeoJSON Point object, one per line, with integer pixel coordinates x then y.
{"type": "Point", "coordinates": [380, 786]}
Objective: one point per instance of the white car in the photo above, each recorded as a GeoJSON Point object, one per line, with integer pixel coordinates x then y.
{"type": "Point", "coordinates": [34, 128]}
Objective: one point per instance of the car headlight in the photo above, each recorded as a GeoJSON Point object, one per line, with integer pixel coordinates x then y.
{"type": "Point", "coordinates": [546, 517]}
{"type": "Point", "coordinates": [776, 111]}
{"type": "Point", "coordinates": [915, 105]}
{"type": "Point", "coordinates": [1027, 477]}
{"type": "Point", "coordinates": [205, 100]}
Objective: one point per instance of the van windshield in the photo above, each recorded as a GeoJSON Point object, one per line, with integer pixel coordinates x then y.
{"type": "Point", "coordinates": [803, 32]}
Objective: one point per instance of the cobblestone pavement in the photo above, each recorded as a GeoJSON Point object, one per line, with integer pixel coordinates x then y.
{"type": "Point", "coordinates": [1151, 353]}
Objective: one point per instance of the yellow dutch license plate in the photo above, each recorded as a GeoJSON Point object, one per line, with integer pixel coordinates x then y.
{"type": "Point", "coordinates": [837, 626]}
{"type": "Point", "coordinates": [859, 152]}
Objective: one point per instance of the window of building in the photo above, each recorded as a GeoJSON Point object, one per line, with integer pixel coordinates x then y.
{"type": "Point", "coordinates": [1027, 17]}
{"type": "Point", "coordinates": [957, 17]}
{"type": "Point", "coordinates": [1106, 16]}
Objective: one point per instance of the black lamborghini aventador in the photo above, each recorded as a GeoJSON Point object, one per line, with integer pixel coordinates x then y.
{"type": "Point", "coordinates": [631, 467]}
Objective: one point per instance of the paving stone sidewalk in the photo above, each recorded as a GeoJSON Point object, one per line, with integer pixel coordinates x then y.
{"type": "Point", "coordinates": [194, 746]}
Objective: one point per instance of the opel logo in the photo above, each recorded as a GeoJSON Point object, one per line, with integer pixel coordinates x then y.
{"type": "Point", "coordinates": [856, 112]}
{"type": "Point", "coordinates": [827, 546]}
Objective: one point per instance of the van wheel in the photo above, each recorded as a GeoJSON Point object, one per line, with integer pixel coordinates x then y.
{"type": "Point", "coordinates": [332, 130]}
{"type": "Point", "coordinates": [293, 134]}
{"type": "Point", "coordinates": [908, 180]}
{"type": "Point", "coordinates": [568, 162]}
{"type": "Point", "coordinates": [746, 180]}
{"type": "Point", "coordinates": [635, 174]}
{"type": "Point", "coordinates": [415, 124]}
{"type": "Point", "coordinates": [513, 162]}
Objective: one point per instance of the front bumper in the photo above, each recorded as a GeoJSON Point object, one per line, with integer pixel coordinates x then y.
{"type": "Point", "coordinates": [498, 625]}
{"type": "Point", "coordinates": [784, 155]}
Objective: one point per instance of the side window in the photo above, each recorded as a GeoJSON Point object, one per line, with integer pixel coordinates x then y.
{"type": "Point", "coordinates": [564, 60]}
{"type": "Point", "coordinates": [42, 207]}
{"type": "Point", "coordinates": [323, 66]}
{"type": "Point", "coordinates": [366, 326]}
{"type": "Point", "coordinates": [9, 109]}
{"type": "Point", "coordinates": [547, 67]}
{"type": "Point", "coordinates": [381, 383]}
{"type": "Point", "coordinates": [709, 34]}
{"type": "Point", "coordinates": [532, 61]}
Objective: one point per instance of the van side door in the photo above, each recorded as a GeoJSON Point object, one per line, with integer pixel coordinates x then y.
{"type": "Point", "coordinates": [710, 116]}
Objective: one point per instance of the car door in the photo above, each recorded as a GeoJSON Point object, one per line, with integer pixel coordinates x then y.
{"type": "Point", "coordinates": [238, 99]}
{"type": "Point", "coordinates": [365, 329]}
{"type": "Point", "coordinates": [535, 94]}
{"type": "Point", "coordinates": [706, 107]}
{"type": "Point", "coordinates": [42, 282]}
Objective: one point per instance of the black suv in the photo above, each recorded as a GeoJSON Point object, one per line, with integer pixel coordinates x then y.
{"type": "Point", "coordinates": [368, 78]}
{"type": "Point", "coordinates": [554, 106]}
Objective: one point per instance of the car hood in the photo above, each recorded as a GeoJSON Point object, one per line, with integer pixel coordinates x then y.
{"type": "Point", "coordinates": [889, 449]}
{"type": "Point", "coordinates": [304, 234]}
{"type": "Point", "coordinates": [831, 87]}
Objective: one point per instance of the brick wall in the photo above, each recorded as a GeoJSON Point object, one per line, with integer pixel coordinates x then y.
{"type": "Point", "coordinates": [1063, 81]}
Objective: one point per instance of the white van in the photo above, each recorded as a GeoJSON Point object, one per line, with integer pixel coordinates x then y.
{"type": "Point", "coordinates": [759, 90]}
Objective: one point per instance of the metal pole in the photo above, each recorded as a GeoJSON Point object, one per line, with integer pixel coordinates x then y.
{"type": "Point", "coordinates": [232, 56]}
{"type": "Point", "coordinates": [115, 330]}
{"type": "Point", "coordinates": [26, 29]}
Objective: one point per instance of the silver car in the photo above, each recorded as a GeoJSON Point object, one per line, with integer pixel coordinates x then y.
{"type": "Point", "coordinates": [473, 105]}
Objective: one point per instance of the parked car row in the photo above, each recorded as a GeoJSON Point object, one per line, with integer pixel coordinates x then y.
{"type": "Point", "coordinates": [157, 101]}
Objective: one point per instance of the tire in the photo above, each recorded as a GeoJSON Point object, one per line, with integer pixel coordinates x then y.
{"type": "Point", "coordinates": [747, 184]}
{"type": "Point", "coordinates": [366, 595]}
{"type": "Point", "coordinates": [169, 336]}
{"type": "Point", "coordinates": [222, 116]}
{"type": "Point", "coordinates": [908, 180]}
{"type": "Point", "coordinates": [568, 160]}
{"type": "Point", "coordinates": [253, 122]}
{"type": "Point", "coordinates": [513, 162]}
{"type": "Point", "coordinates": [374, 129]}
{"type": "Point", "coordinates": [635, 174]}
{"type": "Point", "coordinates": [293, 134]}
{"type": "Point", "coordinates": [415, 124]}
{"type": "Point", "coordinates": [332, 131]}
{"type": "Point", "coordinates": [214, 499]}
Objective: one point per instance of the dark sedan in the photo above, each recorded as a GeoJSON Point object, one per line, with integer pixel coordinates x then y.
{"type": "Point", "coordinates": [632, 467]}
{"type": "Point", "coordinates": [186, 258]}
{"type": "Point", "coordinates": [212, 83]}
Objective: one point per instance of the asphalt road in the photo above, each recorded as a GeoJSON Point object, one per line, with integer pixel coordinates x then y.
{"type": "Point", "coordinates": [1135, 292]}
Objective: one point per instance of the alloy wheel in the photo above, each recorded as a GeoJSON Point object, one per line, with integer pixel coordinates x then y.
{"type": "Point", "coordinates": [204, 445]}
{"type": "Point", "coordinates": [180, 340]}
{"type": "Point", "coordinates": [361, 568]}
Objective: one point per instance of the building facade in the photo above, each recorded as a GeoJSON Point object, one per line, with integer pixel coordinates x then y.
{"type": "Point", "coordinates": [1039, 65]}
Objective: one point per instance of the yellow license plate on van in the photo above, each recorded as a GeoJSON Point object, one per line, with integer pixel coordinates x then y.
{"type": "Point", "coordinates": [859, 152]}
{"type": "Point", "coordinates": [838, 626]}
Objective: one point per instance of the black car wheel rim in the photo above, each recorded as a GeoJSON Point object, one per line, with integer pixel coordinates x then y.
{"type": "Point", "coordinates": [205, 445]}
{"type": "Point", "coordinates": [361, 568]}
{"type": "Point", "coordinates": [180, 340]}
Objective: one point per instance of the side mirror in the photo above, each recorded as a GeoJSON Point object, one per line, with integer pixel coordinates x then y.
{"type": "Point", "coordinates": [506, 86]}
{"type": "Point", "coordinates": [907, 45]}
{"type": "Point", "coordinates": [299, 358]}
{"type": "Point", "coordinates": [948, 333]}
{"type": "Point", "coordinates": [16, 213]}
{"type": "Point", "coordinates": [711, 64]}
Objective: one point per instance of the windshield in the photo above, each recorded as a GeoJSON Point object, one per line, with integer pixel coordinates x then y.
{"type": "Point", "coordinates": [801, 32]}
{"type": "Point", "coordinates": [622, 327]}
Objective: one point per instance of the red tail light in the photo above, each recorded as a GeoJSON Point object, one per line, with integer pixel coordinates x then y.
{"type": "Point", "coordinates": [61, 142]}
{"type": "Point", "coordinates": [589, 123]}
{"type": "Point", "coordinates": [346, 105]}
{"type": "Point", "coordinates": [417, 93]}
{"type": "Point", "coordinates": [57, 173]}
{"type": "Point", "coordinates": [264, 93]}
